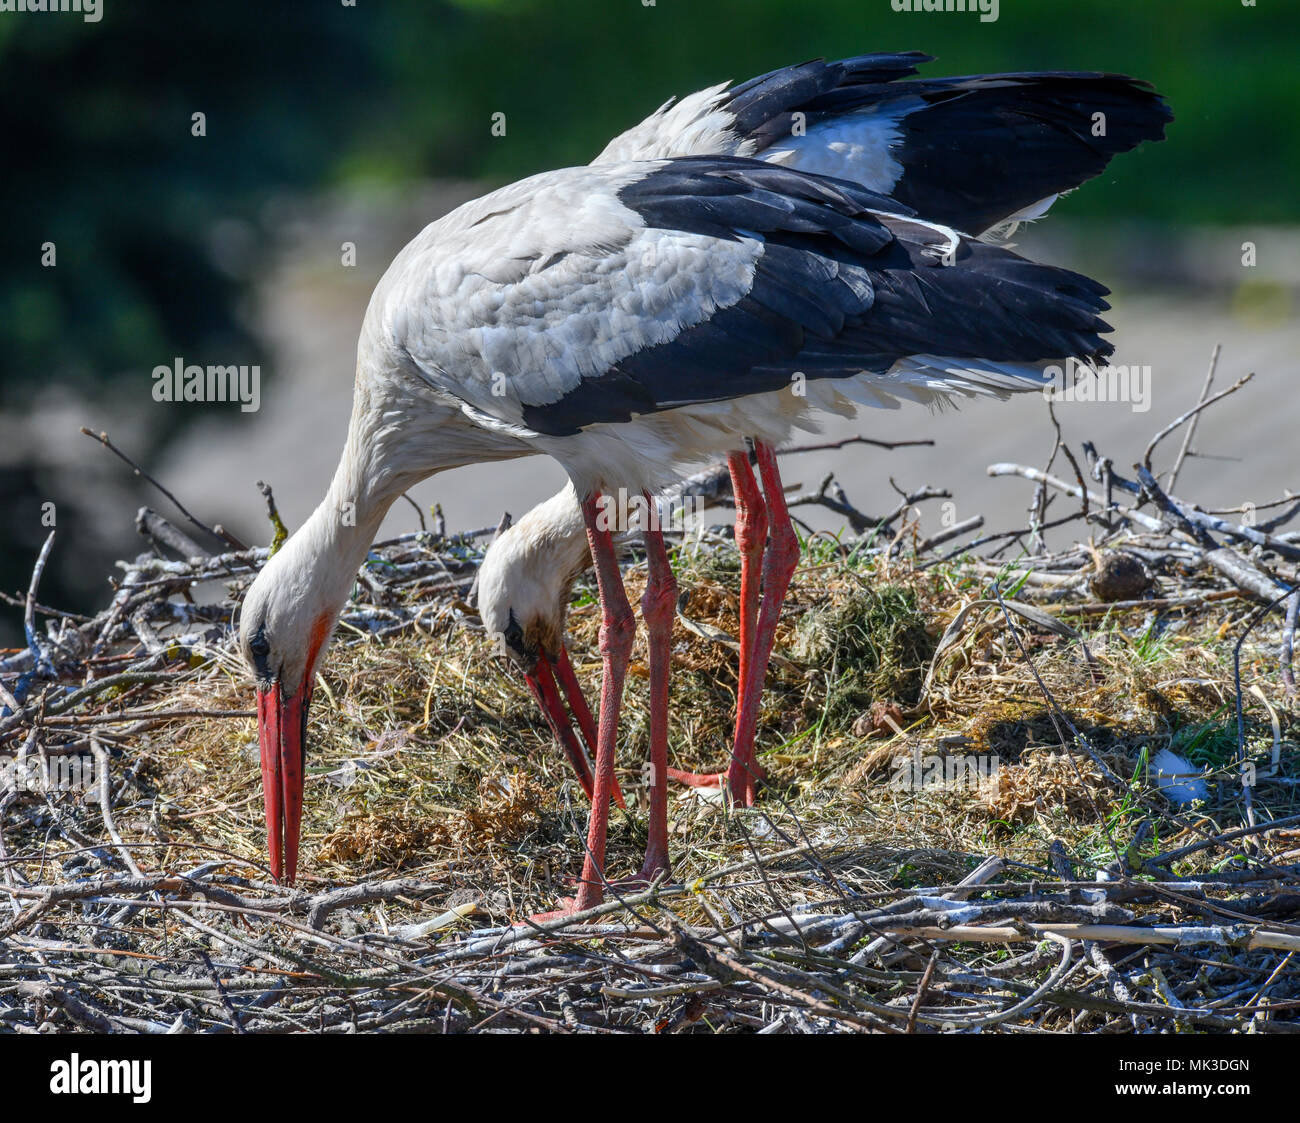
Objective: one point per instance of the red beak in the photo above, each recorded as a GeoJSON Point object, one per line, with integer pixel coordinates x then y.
{"type": "Point", "coordinates": [542, 682]}
{"type": "Point", "coordinates": [282, 735]}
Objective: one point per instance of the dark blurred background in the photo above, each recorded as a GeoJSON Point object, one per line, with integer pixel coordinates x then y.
{"type": "Point", "coordinates": [328, 123]}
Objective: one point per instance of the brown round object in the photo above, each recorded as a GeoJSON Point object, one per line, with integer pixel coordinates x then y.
{"type": "Point", "coordinates": [1121, 577]}
{"type": "Point", "coordinates": [883, 717]}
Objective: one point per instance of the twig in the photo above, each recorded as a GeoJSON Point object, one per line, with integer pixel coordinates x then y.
{"type": "Point", "coordinates": [954, 531]}
{"type": "Point", "coordinates": [419, 511]}
{"type": "Point", "coordinates": [831, 446]}
{"type": "Point", "coordinates": [236, 1022]}
{"type": "Point", "coordinates": [106, 804]}
{"type": "Point", "coordinates": [1288, 642]}
{"type": "Point", "coordinates": [1078, 492]}
{"type": "Point", "coordinates": [279, 531]}
{"type": "Point", "coordinates": [149, 524]}
{"type": "Point", "coordinates": [1038, 506]}
{"type": "Point", "coordinates": [1191, 429]}
{"type": "Point", "coordinates": [861, 522]}
{"type": "Point", "coordinates": [29, 610]}
{"type": "Point", "coordinates": [1221, 839]}
{"type": "Point", "coordinates": [1192, 413]}
{"type": "Point", "coordinates": [1196, 522]}
{"type": "Point", "coordinates": [921, 990]}
{"type": "Point", "coordinates": [220, 534]}
{"type": "Point", "coordinates": [1242, 937]}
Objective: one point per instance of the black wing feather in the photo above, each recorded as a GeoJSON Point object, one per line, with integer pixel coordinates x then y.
{"type": "Point", "coordinates": [974, 149]}
{"type": "Point", "coordinates": [838, 290]}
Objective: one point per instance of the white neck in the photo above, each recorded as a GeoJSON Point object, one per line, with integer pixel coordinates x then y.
{"type": "Point", "coordinates": [388, 450]}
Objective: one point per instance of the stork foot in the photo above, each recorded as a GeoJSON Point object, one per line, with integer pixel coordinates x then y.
{"type": "Point", "coordinates": [715, 779]}
{"type": "Point", "coordinates": [568, 906]}
{"type": "Point", "coordinates": [587, 897]}
{"type": "Point", "coordinates": [654, 869]}
{"type": "Point", "coordinates": [697, 779]}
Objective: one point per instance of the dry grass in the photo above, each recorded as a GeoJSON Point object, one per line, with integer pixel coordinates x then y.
{"type": "Point", "coordinates": [429, 764]}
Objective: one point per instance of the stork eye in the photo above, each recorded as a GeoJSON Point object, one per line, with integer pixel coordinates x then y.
{"type": "Point", "coordinates": [514, 635]}
{"type": "Point", "coordinates": [259, 646]}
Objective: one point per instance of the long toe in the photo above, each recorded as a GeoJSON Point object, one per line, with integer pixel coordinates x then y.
{"type": "Point", "coordinates": [697, 779]}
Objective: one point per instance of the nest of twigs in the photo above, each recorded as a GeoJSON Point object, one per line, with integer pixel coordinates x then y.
{"type": "Point", "coordinates": [966, 824]}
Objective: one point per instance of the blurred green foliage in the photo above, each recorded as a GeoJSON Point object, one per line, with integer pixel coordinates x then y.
{"type": "Point", "coordinates": [96, 119]}
{"type": "Point", "coordinates": [570, 74]}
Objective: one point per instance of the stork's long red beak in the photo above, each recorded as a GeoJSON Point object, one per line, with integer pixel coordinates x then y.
{"type": "Point", "coordinates": [542, 682]}
{"type": "Point", "coordinates": [282, 735]}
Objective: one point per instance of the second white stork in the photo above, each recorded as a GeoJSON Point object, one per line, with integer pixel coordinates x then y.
{"type": "Point", "coordinates": [977, 152]}
{"type": "Point", "coordinates": [633, 320]}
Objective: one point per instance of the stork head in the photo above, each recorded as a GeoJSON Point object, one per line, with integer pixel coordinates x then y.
{"type": "Point", "coordinates": [285, 624]}
{"type": "Point", "coordinates": [522, 599]}
{"type": "Point", "coordinates": [524, 586]}
{"type": "Point", "coordinates": [521, 629]}
{"type": "Point", "coordinates": [526, 578]}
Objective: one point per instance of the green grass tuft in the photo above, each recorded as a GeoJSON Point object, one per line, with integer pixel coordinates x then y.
{"type": "Point", "coordinates": [874, 646]}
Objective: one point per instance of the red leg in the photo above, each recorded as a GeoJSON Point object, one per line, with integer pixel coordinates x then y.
{"type": "Point", "coordinates": [577, 700]}
{"type": "Point", "coordinates": [587, 724]}
{"type": "Point", "coordinates": [778, 567]}
{"type": "Point", "coordinates": [542, 684]}
{"type": "Point", "coordinates": [751, 536]}
{"type": "Point", "coordinates": [573, 694]}
{"type": "Point", "coordinates": [617, 629]}
{"type": "Point", "coordinates": [658, 607]}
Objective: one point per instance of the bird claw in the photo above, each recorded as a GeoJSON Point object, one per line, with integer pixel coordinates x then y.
{"type": "Point", "coordinates": [568, 906]}
{"type": "Point", "coordinates": [697, 779]}
{"type": "Point", "coordinates": [654, 871]}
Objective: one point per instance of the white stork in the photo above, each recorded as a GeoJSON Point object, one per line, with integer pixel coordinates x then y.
{"type": "Point", "coordinates": [633, 319]}
{"type": "Point", "coordinates": [979, 153]}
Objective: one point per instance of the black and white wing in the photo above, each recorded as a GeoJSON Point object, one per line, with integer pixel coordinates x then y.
{"type": "Point", "coordinates": [969, 152]}
{"type": "Point", "coordinates": [603, 293]}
